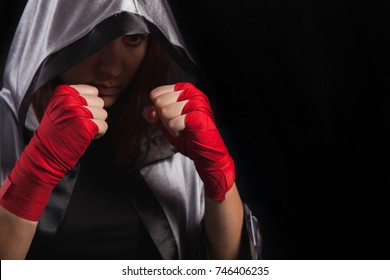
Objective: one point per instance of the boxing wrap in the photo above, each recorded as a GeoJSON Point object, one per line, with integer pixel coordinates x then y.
{"type": "Point", "coordinates": [62, 137]}
{"type": "Point", "coordinates": [202, 142]}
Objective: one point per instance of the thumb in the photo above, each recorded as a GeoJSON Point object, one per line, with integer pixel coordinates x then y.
{"type": "Point", "coordinates": [149, 113]}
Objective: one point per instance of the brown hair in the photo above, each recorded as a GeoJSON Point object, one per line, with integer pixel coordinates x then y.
{"type": "Point", "coordinates": [126, 123]}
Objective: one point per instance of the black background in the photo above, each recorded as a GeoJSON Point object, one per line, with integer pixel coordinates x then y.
{"type": "Point", "coordinates": [303, 98]}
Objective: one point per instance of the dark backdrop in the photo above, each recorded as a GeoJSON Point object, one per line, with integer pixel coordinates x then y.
{"type": "Point", "coordinates": [305, 92]}
{"type": "Point", "coordinates": [303, 98]}
{"type": "Point", "coordinates": [9, 14]}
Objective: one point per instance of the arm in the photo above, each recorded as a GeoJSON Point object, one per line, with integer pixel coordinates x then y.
{"type": "Point", "coordinates": [71, 120]}
{"type": "Point", "coordinates": [16, 235]}
{"type": "Point", "coordinates": [223, 222]}
{"type": "Point", "coordinates": [184, 115]}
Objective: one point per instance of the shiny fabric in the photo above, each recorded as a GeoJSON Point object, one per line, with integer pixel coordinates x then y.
{"type": "Point", "coordinates": [61, 23]}
{"type": "Point", "coordinates": [69, 31]}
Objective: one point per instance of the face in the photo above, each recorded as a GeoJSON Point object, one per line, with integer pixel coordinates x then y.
{"type": "Point", "coordinates": [112, 68]}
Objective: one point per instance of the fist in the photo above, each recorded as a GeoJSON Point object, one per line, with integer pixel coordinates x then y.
{"type": "Point", "coordinates": [95, 105]}
{"type": "Point", "coordinates": [184, 116]}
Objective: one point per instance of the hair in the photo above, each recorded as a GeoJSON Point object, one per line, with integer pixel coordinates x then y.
{"type": "Point", "coordinates": [126, 124]}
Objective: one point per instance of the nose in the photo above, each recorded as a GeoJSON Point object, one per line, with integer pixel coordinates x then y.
{"type": "Point", "coordinates": [111, 60]}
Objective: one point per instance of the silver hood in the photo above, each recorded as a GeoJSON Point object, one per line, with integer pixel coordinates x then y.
{"type": "Point", "coordinates": [55, 35]}
{"type": "Point", "coordinates": [35, 57]}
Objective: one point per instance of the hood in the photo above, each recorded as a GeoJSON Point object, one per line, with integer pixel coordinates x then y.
{"type": "Point", "coordinates": [73, 30]}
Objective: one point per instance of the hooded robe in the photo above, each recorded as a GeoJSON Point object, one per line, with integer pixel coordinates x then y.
{"type": "Point", "coordinates": [166, 194]}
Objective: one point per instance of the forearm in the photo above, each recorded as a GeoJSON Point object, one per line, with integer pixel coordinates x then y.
{"type": "Point", "coordinates": [223, 224]}
{"type": "Point", "coordinates": [184, 115]}
{"type": "Point", "coordinates": [16, 235]}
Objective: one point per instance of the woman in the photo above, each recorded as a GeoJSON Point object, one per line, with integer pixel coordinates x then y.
{"type": "Point", "coordinates": [111, 150]}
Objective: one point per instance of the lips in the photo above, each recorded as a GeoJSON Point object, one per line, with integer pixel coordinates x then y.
{"type": "Point", "coordinates": [108, 90]}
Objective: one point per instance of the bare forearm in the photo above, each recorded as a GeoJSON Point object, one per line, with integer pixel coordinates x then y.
{"type": "Point", "coordinates": [223, 222]}
{"type": "Point", "coordinates": [15, 235]}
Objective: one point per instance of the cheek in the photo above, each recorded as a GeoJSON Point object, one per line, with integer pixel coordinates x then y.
{"type": "Point", "coordinates": [109, 100]}
{"type": "Point", "coordinates": [134, 60]}
{"type": "Point", "coordinates": [139, 56]}
{"type": "Point", "coordinates": [72, 76]}
{"type": "Point", "coordinates": [77, 74]}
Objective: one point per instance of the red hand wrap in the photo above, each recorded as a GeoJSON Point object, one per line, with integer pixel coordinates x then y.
{"type": "Point", "coordinates": [202, 142]}
{"type": "Point", "coordinates": [62, 137]}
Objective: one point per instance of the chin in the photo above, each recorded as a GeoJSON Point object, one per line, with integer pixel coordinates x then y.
{"type": "Point", "coordinates": [108, 101]}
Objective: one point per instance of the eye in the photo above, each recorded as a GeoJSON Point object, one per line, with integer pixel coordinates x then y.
{"type": "Point", "coordinates": [134, 39]}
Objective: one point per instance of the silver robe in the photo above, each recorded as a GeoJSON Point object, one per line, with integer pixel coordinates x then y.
{"type": "Point", "coordinates": [53, 36]}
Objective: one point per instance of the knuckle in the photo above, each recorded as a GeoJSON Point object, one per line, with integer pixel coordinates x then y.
{"type": "Point", "coordinates": [171, 125]}
{"type": "Point", "coordinates": [100, 101]}
{"type": "Point", "coordinates": [104, 126]}
{"type": "Point", "coordinates": [158, 102]}
{"type": "Point", "coordinates": [164, 111]}
{"type": "Point", "coordinates": [156, 92]}
{"type": "Point", "coordinates": [105, 114]}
